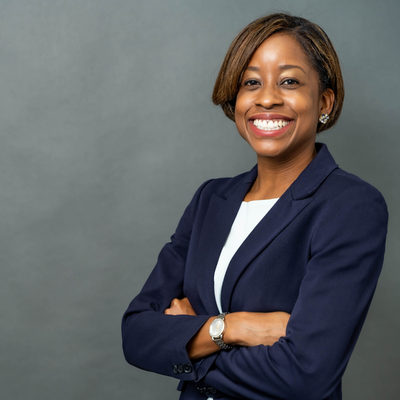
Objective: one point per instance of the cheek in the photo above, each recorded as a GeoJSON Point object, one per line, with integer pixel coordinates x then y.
{"type": "Point", "coordinates": [239, 106]}
{"type": "Point", "coordinates": [244, 101]}
{"type": "Point", "coordinates": [241, 127]}
{"type": "Point", "coordinates": [306, 107]}
{"type": "Point", "coordinates": [240, 112]}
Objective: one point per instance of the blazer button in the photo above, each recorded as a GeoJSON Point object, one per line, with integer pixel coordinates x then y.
{"type": "Point", "coordinates": [207, 390]}
{"type": "Point", "coordinates": [175, 369]}
{"type": "Point", "coordinates": [187, 368]}
{"type": "Point", "coordinates": [201, 389]}
{"type": "Point", "coordinates": [211, 390]}
{"type": "Point", "coordinates": [179, 367]}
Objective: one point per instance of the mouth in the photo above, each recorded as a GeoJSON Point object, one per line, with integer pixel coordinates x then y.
{"type": "Point", "coordinates": [269, 125]}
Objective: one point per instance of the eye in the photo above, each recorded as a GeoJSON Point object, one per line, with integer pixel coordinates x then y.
{"type": "Point", "coordinates": [290, 82]}
{"type": "Point", "coordinates": [251, 82]}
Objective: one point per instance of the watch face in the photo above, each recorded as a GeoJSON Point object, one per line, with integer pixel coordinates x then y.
{"type": "Point", "coordinates": [216, 327]}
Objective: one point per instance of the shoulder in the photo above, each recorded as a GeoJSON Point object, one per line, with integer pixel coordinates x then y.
{"type": "Point", "coordinates": [220, 187]}
{"type": "Point", "coordinates": [342, 184]}
{"type": "Point", "coordinates": [333, 181]}
{"type": "Point", "coordinates": [224, 186]}
{"type": "Point", "coordinates": [346, 197]}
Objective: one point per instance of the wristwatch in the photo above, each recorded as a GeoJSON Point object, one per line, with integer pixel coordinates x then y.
{"type": "Point", "coordinates": [217, 330]}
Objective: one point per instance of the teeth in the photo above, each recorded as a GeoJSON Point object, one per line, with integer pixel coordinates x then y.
{"type": "Point", "coordinates": [270, 125]}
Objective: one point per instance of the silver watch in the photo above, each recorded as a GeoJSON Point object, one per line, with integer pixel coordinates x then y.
{"type": "Point", "coordinates": [217, 330]}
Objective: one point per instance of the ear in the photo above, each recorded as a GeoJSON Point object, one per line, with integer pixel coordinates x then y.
{"type": "Point", "coordinates": [326, 101]}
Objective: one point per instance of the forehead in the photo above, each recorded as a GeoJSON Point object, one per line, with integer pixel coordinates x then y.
{"type": "Point", "coordinates": [280, 49]}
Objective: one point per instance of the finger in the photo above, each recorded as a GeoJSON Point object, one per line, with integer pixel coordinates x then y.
{"type": "Point", "coordinates": [175, 303]}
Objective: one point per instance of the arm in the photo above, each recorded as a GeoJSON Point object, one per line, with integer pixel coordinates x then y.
{"type": "Point", "coordinates": [242, 329]}
{"type": "Point", "coordinates": [201, 344]}
{"type": "Point", "coordinates": [346, 257]}
{"type": "Point", "coordinates": [145, 345]}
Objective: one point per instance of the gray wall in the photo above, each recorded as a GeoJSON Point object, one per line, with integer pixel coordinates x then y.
{"type": "Point", "coordinates": [107, 129]}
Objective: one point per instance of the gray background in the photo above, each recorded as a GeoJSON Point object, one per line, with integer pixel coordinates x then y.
{"type": "Point", "coordinates": [107, 129]}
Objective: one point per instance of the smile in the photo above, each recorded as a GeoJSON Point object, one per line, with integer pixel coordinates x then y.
{"type": "Point", "coordinates": [270, 125]}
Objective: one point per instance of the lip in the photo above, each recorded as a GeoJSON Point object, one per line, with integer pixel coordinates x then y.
{"type": "Point", "coordinates": [268, 116]}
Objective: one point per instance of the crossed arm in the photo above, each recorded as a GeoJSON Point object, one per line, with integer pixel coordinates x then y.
{"type": "Point", "coordinates": [346, 256]}
{"type": "Point", "coordinates": [246, 329]}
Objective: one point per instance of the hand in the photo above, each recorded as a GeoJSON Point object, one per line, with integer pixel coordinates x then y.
{"type": "Point", "coordinates": [180, 307]}
{"type": "Point", "coordinates": [242, 329]}
{"type": "Point", "coordinates": [252, 329]}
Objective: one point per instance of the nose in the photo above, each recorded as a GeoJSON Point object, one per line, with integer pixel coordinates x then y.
{"type": "Point", "coordinates": [269, 96]}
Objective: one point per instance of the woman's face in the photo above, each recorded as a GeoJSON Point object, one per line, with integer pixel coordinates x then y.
{"type": "Point", "coordinates": [278, 103]}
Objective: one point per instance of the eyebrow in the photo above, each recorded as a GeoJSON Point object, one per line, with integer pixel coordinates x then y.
{"type": "Point", "coordinates": [285, 67]}
{"type": "Point", "coordinates": [281, 67]}
{"type": "Point", "coordinates": [250, 68]}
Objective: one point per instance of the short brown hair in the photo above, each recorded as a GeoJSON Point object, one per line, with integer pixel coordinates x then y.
{"type": "Point", "coordinates": [313, 40]}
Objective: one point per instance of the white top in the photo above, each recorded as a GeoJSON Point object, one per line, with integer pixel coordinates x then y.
{"type": "Point", "coordinates": [249, 215]}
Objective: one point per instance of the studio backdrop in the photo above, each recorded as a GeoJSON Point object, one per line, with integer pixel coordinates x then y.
{"type": "Point", "coordinates": [107, 129]}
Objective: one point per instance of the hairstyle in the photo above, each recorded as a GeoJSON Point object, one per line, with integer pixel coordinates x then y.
{"type": "Point", "coordinates": [313, 40]}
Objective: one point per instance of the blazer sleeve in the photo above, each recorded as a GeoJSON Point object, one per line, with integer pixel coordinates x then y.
{"type": "Point", "coordinates": [154, 341]}
{"type": "Point", "coordinates": [347, 249]}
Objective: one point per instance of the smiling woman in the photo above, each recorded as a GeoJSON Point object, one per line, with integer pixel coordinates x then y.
{"type": "Point", "coordinates": [316, 48]}
{"type": "Point", "coordinates": [277, 108]}
{"type": "Point", "coordinates": [266, 283]}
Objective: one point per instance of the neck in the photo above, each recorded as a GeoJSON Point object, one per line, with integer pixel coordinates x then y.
{"type": "Point", "coordinates": [275, 176]}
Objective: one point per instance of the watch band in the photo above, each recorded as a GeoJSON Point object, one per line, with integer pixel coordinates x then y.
{"type": "Point", "coordinates": [218, 340]}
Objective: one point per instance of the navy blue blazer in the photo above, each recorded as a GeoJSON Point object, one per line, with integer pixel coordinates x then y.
{"type": "Point", "coordinates": [316, 255]}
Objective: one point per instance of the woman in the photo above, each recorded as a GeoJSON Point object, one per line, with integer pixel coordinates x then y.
{"type": "Point", "coordinates": [291, 250]}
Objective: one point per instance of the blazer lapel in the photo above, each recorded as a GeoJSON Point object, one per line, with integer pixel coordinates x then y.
{"type": "Point", "coordinates": [222, 211]}
{"type": "Point", "coordinates": [281, 214]}
{"type": "Point", "coordinates": [217, 224]}
{"type": "Point", "coordinates": [285, 210]}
